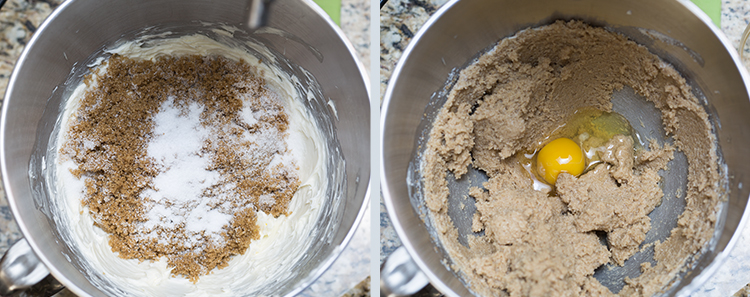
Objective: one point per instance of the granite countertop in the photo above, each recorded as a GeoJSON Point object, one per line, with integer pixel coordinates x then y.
{"type": "Point", "coordinates": [401, 19]}
{"type": "Point", "coordinates": [349, 274]}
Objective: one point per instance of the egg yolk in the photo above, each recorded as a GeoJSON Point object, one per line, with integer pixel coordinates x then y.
{"type": "Point", "coordinates": [560, 155]}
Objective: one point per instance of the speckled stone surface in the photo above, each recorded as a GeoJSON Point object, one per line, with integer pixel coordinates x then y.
{"type": "Point", "coordinates": [19, 20]}
{"type": "Point", "coordinates": [355, 22]}
{"type": "Point", "coordinates": [401, 19]}
{"type": "Point", "coordinates": [352, 268]}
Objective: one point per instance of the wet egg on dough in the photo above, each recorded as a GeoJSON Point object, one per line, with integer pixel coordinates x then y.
{"type": "Point", "coordinates": [574, 147]}
{"type": "Point", "coordinates": [557, 156]}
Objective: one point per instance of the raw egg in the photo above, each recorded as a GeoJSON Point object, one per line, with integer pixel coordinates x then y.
{"type": "Point", "coordinates": [557, 156]}
{"type": "Point", "coordinates": [575, 146]}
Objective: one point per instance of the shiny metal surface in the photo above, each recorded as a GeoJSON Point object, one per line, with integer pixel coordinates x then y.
{"type": "Point", "coordinates": [78, 28]}
{"type": "Point", "coordinates": [20, 269]}
{"type": "Point", "coordinates": [400, 276]}
{"type": "Point", "coordinates": [257, 13]}
{"type": "Point", "coordinates": [677, 31]}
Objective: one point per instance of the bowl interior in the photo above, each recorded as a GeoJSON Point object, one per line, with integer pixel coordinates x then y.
{"type": "Point", "coordinates": [307, 44]}
{"type": "Point", "coordinates": [460, 30]}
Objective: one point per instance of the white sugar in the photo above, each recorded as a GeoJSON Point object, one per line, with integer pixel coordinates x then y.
{"type": "Point", "coordinates": [178, 189]}
{"type": "Point", "coordinates": [176, 144]}
{"type": "Point", "coordinates": [278, 160]}
{"type": "Point", "coordinates": [176, 133]}
{"type": "Point", "coordinates": [247, 115]}
{"type": "Point", "coordinates": [267, 140]}
{"type": "Point", "coordinates": [89, 144]}
{"type": "Point", "coordinates": [203, 218]}
{"type": "Point", "coordinates": [266, 200]}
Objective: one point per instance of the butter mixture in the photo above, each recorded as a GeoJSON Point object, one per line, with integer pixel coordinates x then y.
{"type": "Point", "coordinates": [187, 167]}
{"type": "Point", "coordinates": [177, 155]}
{"type": "Point", "coordinates": [543, 210]}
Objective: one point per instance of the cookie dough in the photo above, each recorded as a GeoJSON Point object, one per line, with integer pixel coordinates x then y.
{"type": "Point", "coordinates": [538, 243]}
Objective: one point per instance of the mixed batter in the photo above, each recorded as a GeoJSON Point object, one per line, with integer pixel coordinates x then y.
{"type": "Point", "coordinates": [189, 167]}
{"type": "Point", "coordinates": [520, 99]}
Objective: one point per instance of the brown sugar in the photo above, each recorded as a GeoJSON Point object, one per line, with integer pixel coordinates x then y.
{"type": "Point", "coordinates": [109, 140]}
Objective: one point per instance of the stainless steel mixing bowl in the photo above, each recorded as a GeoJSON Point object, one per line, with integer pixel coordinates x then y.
{"type": "Point", "coordinates": [676, 31]}
{"type": "Point", "coordinates": [300, 35]}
